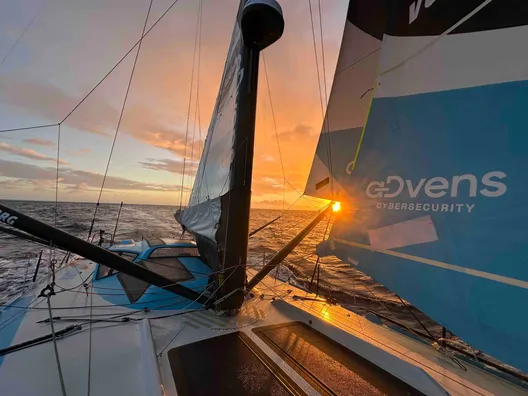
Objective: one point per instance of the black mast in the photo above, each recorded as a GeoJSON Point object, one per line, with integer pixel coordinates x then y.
{"type": "Point", "coordinates": [261, 24]}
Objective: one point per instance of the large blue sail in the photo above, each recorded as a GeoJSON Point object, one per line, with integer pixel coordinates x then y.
{"type": "Point", "coordinates": [435, 199]}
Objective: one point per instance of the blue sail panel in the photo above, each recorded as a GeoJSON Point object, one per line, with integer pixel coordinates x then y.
{"type": "Point", "coordinates": [435, 205]}
{"type": "Point", "coordinates": [466, 175]}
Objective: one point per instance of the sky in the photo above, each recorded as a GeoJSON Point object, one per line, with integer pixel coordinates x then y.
{"type": "Point", "coordinates": [53, 52]}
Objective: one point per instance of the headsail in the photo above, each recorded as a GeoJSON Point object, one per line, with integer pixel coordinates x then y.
{"type": "Point", "coordinates": [218, 211]}
{"type": "Point", "coordinates": [435, 202]}
{"type": "Point", "coordinates": [350, 99]}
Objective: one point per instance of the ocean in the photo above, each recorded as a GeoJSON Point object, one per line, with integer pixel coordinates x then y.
{"type": "Point", "coordinates": [352, 289]}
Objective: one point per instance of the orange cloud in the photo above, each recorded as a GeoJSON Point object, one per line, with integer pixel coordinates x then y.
{"type": "Point", "coordinates": [28, 153]}
{"type": "Point", "coordinates": [40, 142]}
{"type": "Point", "coordinates": [157, 110]}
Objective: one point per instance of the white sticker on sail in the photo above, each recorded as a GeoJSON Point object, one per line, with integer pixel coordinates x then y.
{"type": "Point", "coordinates": [406, 233]}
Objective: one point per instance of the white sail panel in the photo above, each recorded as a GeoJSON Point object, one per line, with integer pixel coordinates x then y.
{"type": "Point", "coordinates": [449, 64]}
{"type": "Point", "coordinates": [350, 98]}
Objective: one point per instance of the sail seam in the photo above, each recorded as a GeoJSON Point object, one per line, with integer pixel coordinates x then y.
{"type": "Point", "coordinates": [440, 264]}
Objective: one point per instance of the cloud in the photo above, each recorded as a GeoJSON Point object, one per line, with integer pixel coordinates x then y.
{"type": "Point", "coordinates": [170, 165]}
{"type": "Point", "coordinates": [153, 127]}
{"type": "Point", "coordinates": [156, 111]}
{"type": "Point", "coordinates": [79, 151]}
{"type": "Point", "coordinates": [40, 142]}
{"type": "Point", "coordinates": [75, 179]}
{"type": "Point", "coordinates": [48, 101]}
{"type": "Point", "coordinates": [297, 133]}
{"type": "Point", "coordinates": [268, 204]}
{"type": "Point", "coordinates": [28, 153]}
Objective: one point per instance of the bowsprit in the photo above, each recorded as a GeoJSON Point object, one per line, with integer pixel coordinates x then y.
{"type": "Point", "coordinates": [7, 218]}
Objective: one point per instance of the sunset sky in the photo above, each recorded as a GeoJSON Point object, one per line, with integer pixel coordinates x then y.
{"type": "Point", "coordinates": [71, 45]}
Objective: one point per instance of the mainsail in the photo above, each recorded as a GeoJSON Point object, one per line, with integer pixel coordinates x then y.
{"type": "Point", "coordinates": [218, 210]}
{"type": "Point", "coordinates": [432, 186]}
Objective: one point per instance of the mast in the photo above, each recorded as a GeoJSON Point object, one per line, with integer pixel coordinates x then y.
{"type": "Point", "coordinates": [220, 221]}
{"type": "Point", "coordinates": [254, 33]}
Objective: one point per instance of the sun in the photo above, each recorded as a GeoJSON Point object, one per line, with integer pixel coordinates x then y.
{"type": "Point", "coordinates": [336, 207]}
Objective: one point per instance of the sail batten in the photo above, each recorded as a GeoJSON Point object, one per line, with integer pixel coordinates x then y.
{"type": "Point", "coordinates": [433, 202]}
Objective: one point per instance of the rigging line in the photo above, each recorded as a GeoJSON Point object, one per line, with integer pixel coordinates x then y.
{"type": "Point", "coordinates": [198, 19]}
{"type": "Point", "coordinates": [326, 120]}
{"type": "Point", "coordinates": [274, 220]}
{"type": "Point", "coordinates": [30, 127]}
{"type": "Point", "coordinates": [173, 338]}
{"type": "Point", "coordinates": [273, 115]}
{"type": "Point", "coordinates": [90, 344]}
{"type": "Point", "coordinates": [380, 301]}
{"type": "Point", "coordinates": [276, 135]}
{"type": "Point", "coordinates": [120, 115]}
{"type": "Point", "coordinates": [119, 62]}
{"type": "Point", "coordinates": [316, 60]}
{"type": "Point", "coordinates": [15, 317]}
{"type": "Point", "coordinates": [417, 319]}
{"type": "Point", "coordinates": [197, 80]}
{"type": "Point", "coordinates": [57, 178]}
{"type": "Point", "coordinates": [55, 349]}
{"type": "Point", "coordinates": [204, 275]}
{"type": "Point", "coordinates": [357, 61]}
{"type": "Point", "coordinates": [23, 33]}
{"type": "Point", "coordinates": [325, 117]}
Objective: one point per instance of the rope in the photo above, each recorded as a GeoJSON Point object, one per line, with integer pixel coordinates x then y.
{"type": "Point", "coordinates": [285, 180]}
{"type": "Point", "coordinates": [100, 81]}
{"type": "Point", "coordinates": [198, 26]}
{"type": "Point", "coordinates": [55, 349]}
{"type": "Point", "coordinates": [90, 342]}
{"type": "Point", "coordinates": [197, 107]}
{"type": "Point", "coordinates": [23, 33]}
{"type": "Point", "coordinates": [196, 310]}
{"type": "Point", "coordinates": [119, 62]}
{"type": "Point", "coordinates": [57, 177]}
{"type": "Point", "coordinates": [326, 120]}
{"type": "Point", "coordinates": [120, 118]}
{"type": "Point", "coordinates": [316, 60]}
{"type": "Point", "coordinates": [30, 127]}
{"type": "Point", "coordinates": [417, 319]}
{"type": "Point", "coordinates": [273, 116]}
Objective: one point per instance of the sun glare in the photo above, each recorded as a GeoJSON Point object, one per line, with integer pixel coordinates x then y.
{"type": "Point", "coordinates": [336, 207]}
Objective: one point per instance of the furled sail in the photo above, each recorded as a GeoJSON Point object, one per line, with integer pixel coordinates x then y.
{"type": "Point", "coordinates": [434, 204]}
{"type": "Point", "coordinates": [218, 210]}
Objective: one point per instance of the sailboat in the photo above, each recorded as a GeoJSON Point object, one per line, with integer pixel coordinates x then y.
{"type": "Point", "coordinates": [422, 146]}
